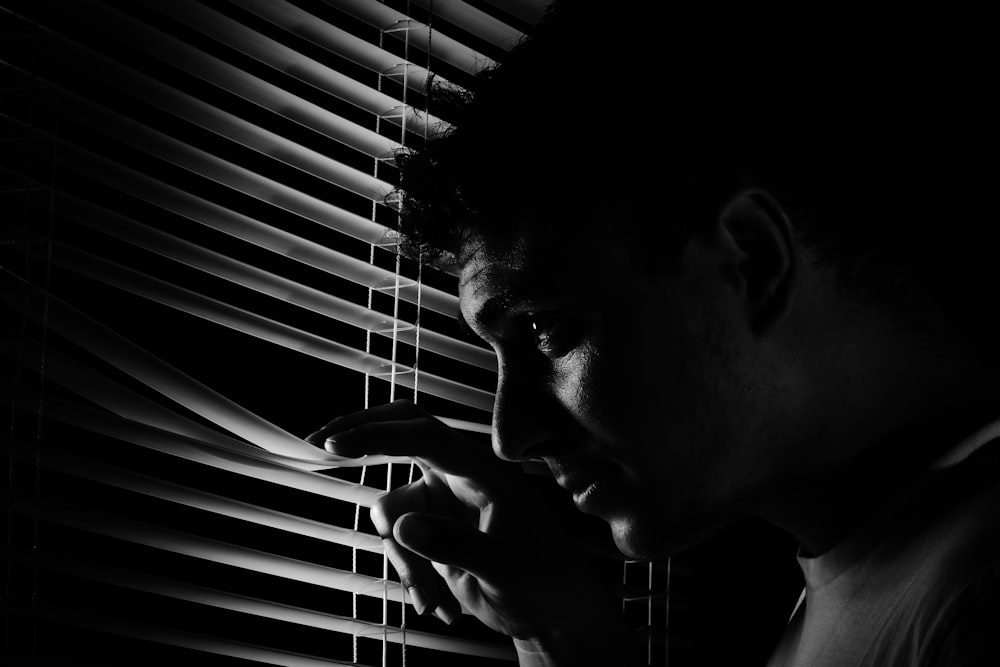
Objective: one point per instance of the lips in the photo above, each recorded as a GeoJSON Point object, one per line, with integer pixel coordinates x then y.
{"type": "Point", "coordinates": [593, 497]}
{"type": "Point", "coordinates": [588, 481]}
{"type": "Point", "coordinates": [576, 477]}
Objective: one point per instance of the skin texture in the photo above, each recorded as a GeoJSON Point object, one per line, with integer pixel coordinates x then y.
{"type": "Point", "coordinates": [669, 401]}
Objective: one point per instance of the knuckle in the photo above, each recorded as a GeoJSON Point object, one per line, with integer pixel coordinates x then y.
{"type": "Point", "coordinates": [386, 510]}
{"type": "Point", "coordinates": [409, 408]}
{"type": "Point", "coordinates": [404, 406]}
{"type": "Point", "coordinates": [428, 422]}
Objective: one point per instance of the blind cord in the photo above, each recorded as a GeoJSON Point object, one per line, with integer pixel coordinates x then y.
{"type": "Point", "coordinates": [366, 396]}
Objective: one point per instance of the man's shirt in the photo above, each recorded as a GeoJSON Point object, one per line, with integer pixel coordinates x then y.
{"type": "Point", "coordinates": [918, 583]}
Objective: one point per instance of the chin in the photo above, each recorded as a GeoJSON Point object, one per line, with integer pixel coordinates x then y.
{"type": "Point", "coordinates": [647, 540]}
{"type": "Point", "coordinates": [637, 542]}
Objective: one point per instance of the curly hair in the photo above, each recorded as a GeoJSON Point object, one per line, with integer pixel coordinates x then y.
{"type": "Point", "coordinates": [642, 123]}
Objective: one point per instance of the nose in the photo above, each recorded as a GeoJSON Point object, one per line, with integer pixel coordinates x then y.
{"type": "Point", "coordinates": [523, 414]}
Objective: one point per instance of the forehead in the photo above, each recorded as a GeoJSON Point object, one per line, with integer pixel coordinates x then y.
{"type": "Point", "coordinates": [525, 265]}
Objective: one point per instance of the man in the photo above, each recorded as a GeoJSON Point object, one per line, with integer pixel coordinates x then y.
{"type": "Point", "coordinates": [709, 250]}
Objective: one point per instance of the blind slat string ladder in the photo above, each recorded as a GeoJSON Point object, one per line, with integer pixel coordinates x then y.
{"type": "Point", "coordinates": [252, 446]}
{"type": "Point", "coordinates": [392, 377]}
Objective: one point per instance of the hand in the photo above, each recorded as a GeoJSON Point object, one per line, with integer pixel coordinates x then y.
{"type": "Point", "coordinates": [473, 533]}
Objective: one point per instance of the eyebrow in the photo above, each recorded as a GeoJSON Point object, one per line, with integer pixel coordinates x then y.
{"type": "Point", "coordinates": [492, 310]}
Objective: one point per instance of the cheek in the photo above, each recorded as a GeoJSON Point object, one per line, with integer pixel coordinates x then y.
{"type": "Point", "coordinates": [601, 387]}
{"type": "Point", "coordinates": [662, 412]}
{"type": "Point", "coordinates": [618, 394]}
{"type": "Point", "coordinates": [576, 387]}
{"type": "Point", "coordinates": [639, 390]}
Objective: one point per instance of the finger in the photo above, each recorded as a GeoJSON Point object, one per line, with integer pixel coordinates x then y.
{"type": "Point", "coordinates": [454, 544]}
{"type": "Point", "coordinates": [418, 496]}
{"type": "Point", "coordinates": [425, 439]}
{"type": "Point", "coordinates": [427, 590]}
{"type": "Point", "coordinates": [399, 409]}
{"type": "Point", "coordinates": [431, 585]}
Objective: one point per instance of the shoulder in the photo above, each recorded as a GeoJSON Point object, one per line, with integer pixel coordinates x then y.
{"type": "Point", "coordinates": [972, 638]}
{"type": "Point", "coordinates": [937, 576]}
{"type": "Point", "coordinates": [965, 612]}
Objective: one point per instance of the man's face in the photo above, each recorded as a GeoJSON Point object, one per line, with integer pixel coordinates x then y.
{"type": "Point", "coordinates": [637, 385]}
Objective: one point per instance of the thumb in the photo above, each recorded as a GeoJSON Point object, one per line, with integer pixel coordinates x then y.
{"type": "Point", "coordinates": [452, 543]}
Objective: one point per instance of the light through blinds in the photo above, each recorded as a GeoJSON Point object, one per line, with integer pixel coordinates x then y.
{"type": "Point", "coordinates": [197, 271]}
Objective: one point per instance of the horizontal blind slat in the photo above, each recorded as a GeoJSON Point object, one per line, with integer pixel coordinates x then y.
{"type": "Point", "coordinates": [228, 173]}
{"type": "Point", "coordinates": [248, 229]}
{"type": "Point", "coordinates": [421, 36]}
{"type": "Point", "coordinates": [224, 30]}
{"type": "Point", "coordinates": [269, 283]}
{"type": "Point", "coordinates": [124, 627]}
{"type": "Point", "coordinates": [201, 113]}
{"type": "Point", "coordinates": [339, 42]}
{"type": "Point", "coordinates": [99, 389]}
{"type": "Point", "coordinates": [255, 465]}
{"type": "Point", "coordinates": [166, 47]}
{"type": "Point", "coordinates": [475, 21]}
{"type": "Point", "coordinates": [209, 502]}
{"type": "Point", "coordinates": [264, 608]}
{"type": "Point", "coordinates": [266, 329]}
{"type": "Point", "coordinates": [204, 548]}
{"type": "Point", "coordinates": [270, 97]}
{"type": "Point", "coordinates": [164, 378]}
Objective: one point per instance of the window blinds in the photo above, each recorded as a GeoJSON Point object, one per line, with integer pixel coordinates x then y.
{"type": "Point", "coordinates": [195, 271]}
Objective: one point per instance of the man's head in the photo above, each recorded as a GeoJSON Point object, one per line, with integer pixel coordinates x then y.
{"type": "Point", "coordinates": [661, 223]}
{"type": "Point", "coordinates": [629, 382]}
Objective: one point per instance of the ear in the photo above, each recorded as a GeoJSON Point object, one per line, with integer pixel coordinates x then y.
{"type": "Point", "coordinates": [755, 228]}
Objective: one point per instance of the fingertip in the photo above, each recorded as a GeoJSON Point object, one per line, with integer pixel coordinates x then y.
{"type": "Point", "coordinates": [419, 600]}
{"type": "Point", "coordinates": [412, 531]}
{"type": "Point", "coordinates": [449, 616]}
{"type": "Point", "coordinates": [335, 445]}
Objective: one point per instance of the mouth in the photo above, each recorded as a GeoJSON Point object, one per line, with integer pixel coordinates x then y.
{"type": "Point", "coordinates": [592, 497]}
{"type": "Point", "coordinates": [574, 477]}
{"type": "Point", "coordinates": [587, 484]}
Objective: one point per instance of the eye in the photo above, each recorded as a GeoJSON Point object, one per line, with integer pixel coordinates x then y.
{"type": "Point", "coordinates": [554, 334]}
